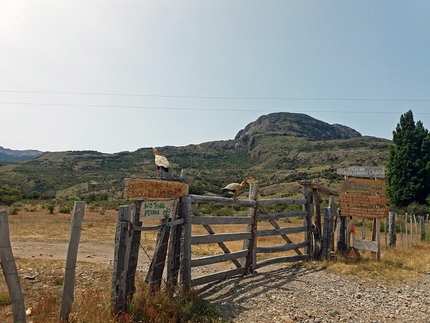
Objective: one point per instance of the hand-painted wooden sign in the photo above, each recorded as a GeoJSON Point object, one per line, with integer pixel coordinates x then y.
{"type": "Point", "coordinates": [354, 199]}
{"type": "Point", "coordinates": [157, 209]}
{"type": "Point", "coordinates": [363, 186]}
{"type": "Point", "coordinates": [365, 212]}
{"type": "Point", "coordinates": [135, 188]}
{"type": "Point", "coordinates": [362, 171]}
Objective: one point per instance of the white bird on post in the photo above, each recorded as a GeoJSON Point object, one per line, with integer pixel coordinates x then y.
{"type": "Point", "coordinates": [234, 188]}
{"type": "Point", "coordinates": [161, 162]}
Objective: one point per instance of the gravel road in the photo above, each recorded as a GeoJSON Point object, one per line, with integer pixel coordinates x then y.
{"type": "Point", "coordinates": [293, 294]}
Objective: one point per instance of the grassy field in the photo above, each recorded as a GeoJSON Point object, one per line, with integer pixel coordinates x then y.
{"type": "Point", "coordinates": [93, 280]}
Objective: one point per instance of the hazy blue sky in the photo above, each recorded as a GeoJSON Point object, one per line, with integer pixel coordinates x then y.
{"type": "Point", "coordinates": [121, 75]}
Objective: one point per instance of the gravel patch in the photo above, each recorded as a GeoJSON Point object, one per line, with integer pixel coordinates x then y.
{"type": "Point", "coordinates": [284, 294]}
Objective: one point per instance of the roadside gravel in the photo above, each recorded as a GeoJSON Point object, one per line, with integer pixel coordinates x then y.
{"type": "Point", "coordinates": [294, 294]}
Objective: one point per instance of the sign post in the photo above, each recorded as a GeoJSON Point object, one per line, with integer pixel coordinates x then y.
{"type": "Point", "coordinates": [365, 199]}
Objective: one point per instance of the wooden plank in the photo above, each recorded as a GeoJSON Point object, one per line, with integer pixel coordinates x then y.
{"type": "Point", "coordinates": [281, 215]}
{"type": "Point", "coordinates": [221, 220]}
{"type": "Point", "coordinates": [174, 250]}
{"type": "Point", "coordinates": [283, 231]}
{"type": "Point", "coordinates": [280, 248]}
{"type": "Point", "coordinates": [118, 293]}
{"type": "Point", "coordinates": [137, 188]}
{"type": "Point", "coordinates": [215, 200]}
{"type": "Point", "coordinates": [281, 201]}
{"type": "Point", "coordinates": [7, 262]}
{"type": "Point", "coordinates": [217, 276]}
{"type": "Point", "coordinates": [218, 258]}
{"type": "Point", "coordinates": [186, 244]}
{"type": "Point", "coordinates": [278, 260]}
{"type": "Point", "coordinates": [354, 199]}
{"type": "Point", "coordinates": [362, 171]}
{"type": "Point", "coordinates": [365, 244]}
{"type": "Point", "coordinates": [72, 255]}
{"type": "Point", "coordinates": [363, 212]}
{"type": "Point", "coordinates": [210, 231]}
{"type": "Point", "coordinates": [132, 251]}
{"type": "Point", "coordinates": [220, 237]}
{"type": "Point", "coordinates": [363, 186]}
{"type": "Point", "coordinates": [285, 237]}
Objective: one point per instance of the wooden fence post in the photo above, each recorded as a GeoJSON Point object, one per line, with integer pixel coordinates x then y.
{"type": "Point", "coordinates": [174, 252]}
{"type": "Point", "coordinates": [307, 221]}
{"type": "Point", "coordinates": [134, 251]}
{"type": "Point", "coordinates": [327, 233]}
{"type": "Point", "coordinates": [10, 272]}
{"type": "Point", "coordinates": [72, 254]}
{"type": "Point", "coordinates": [185, 206]}
{"type": "Point", "coordinates": [122, 237]}
{"type": "Point", "coordinates": [251, 244]}
{"type": "Point", "coordinates": [392, 229]}
{"type": "Point", "coordinates": [423, 228]}
{"type": "Point", "coordinates": [156, 268]}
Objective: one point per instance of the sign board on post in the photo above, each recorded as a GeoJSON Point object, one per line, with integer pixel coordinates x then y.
{"type": "Point", "coordinates": [135, 188]}
{"type": "Point", "coordinates": [362, 171]}
{"type": "Point", "coordinates": [157, 209]}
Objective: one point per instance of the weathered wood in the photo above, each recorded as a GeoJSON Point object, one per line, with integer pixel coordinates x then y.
{"type": "Point", "coordinates": [137, 188]}
{"type": "Point", "coordinates": [341, 246]}
{"type": "Point", "coordinates": [252, 242]}
{"type": "Point", "coordinates": [156, 267]}
{"type": "Point", "coordinates": [217, 276]}
{"type": "Point", "coordinates": [280, 248]}
{"type": "Point", "coordinates": [186, 243]}
{"type": "Point", "coordinates": [317, 210]}
{"type": "Point", "coordinates": [282, 231]}
{"type": "Point", "coordinates": [219, 237]}
{"type": "Point", "coordinates": [10, 272]}
{"type": "Point", "coordinates": [307, 221]}
{"type": "Point", "coordinates": [218, 258]}
{"type": "Point", "coordinates": [221, 220]}
{"type": "Point", "coordinates": [216, 200]}
{"type": "Point", "coordinates": [122, 237]}
{"type": "Point", "coordinates": [366, 245]}
{"type": "Point", "coordinates": [210, 231]}
{"type": "Point", "coordinates": [281, 201]}
{"type": "Point", "coordinates": [327, 229]}
{"type": "Point", "coordinates": [376, 237]}
{"type": "Point", "coordinates": [285, 237]}
{"type": "Point", "coordinates": [281, 215]}
{"type": "Point", "coordinates": [278, 260]}
{"type": "Point", "coordinates": [72, 255]}
{"type": "Point", "coordinates": [133, 251]}
{"type": "Point", "coordinates": [174, 251]}
{"type": "Point", "coordinates": [170, 224]}
{"type": "Point", "coordinates": [423, 228]}
{"type": "Point", "coordinates": [363, 185]}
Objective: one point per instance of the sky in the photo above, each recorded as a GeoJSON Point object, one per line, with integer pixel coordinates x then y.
{"type": "Point", "coordinates": [117, 76]}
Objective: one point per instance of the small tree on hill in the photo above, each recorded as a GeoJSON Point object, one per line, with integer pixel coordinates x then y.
{"type": "Point", "coordinates": [408, 166]}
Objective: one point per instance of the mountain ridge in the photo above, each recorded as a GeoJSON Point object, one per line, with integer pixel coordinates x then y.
{"type": "Point", "coordinates": [276, 149]}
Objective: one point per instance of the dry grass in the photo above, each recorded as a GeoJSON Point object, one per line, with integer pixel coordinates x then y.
{"type": "Point", "coordinates": [93, 280]}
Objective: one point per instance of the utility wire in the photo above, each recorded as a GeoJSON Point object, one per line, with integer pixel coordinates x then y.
{"type": "Point", "coordinates": [221, 97]}
{"type": "Point", "coordinates": [193, 109]}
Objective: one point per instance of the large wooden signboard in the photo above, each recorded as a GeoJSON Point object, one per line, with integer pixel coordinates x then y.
{"type": "Point", "coordinates": [136, 188]}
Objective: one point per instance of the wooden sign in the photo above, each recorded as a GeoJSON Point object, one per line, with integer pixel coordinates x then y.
{"type": "Point", "coordinates": [157, 209]}
{"type": "Point", "coordinates": [354, 199]}
{"type": "Point", "coordinates": [365, 212]}
{"type": "Point", "coordinates": [362, 171]}
{"type": "Point", "coordinates": [363, 186]}
{"type": "Point", "coordinates": [135, 188]}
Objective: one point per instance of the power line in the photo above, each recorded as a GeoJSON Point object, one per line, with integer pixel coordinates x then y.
{"type": "Point", "coordinates": [220, 97]}
{"type": "Point", "coordinates": [194, 109]}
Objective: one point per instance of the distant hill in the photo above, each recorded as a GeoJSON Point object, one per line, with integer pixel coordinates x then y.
{"type": "Point", "coordinates": [277, 149]}
{"type": "Point", "coordinates": [9, 155]}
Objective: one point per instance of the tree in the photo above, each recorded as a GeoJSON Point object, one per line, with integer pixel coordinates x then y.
{"type": "Point", "coordinates": [9, 195]}
{"type": "Point", "coordinates": [408, 166]}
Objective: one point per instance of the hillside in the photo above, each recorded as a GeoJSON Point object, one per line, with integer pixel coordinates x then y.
{"type": "Point", "coordinates": [277, 149]}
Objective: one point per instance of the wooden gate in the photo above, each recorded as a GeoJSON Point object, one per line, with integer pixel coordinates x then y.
{"type": "Point", "coordinates": [176, 240]}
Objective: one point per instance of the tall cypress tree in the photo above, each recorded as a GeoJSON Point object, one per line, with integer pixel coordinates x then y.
{"type": "Point", "coordinates": [408, 166]}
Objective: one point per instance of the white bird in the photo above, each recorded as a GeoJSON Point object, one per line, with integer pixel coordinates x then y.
{"type": "Point", "coordinates": [161, 162]}
{"type": "Point", "coordinates": [234, 188]}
